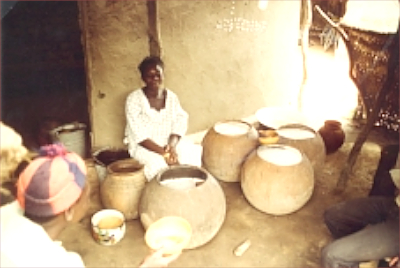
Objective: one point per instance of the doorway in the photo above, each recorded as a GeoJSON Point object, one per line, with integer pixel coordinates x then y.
{"type": "Point", "coordinates": [43, 73]}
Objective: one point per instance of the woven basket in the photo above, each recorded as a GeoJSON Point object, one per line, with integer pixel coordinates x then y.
{"type": "Point", "coordinates": [122, 187]}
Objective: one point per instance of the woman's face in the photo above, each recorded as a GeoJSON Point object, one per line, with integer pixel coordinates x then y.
{"type": "Point", "coordinates": [153, 77]}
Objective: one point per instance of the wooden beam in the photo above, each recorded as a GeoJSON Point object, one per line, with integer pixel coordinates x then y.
{"type": "Point", "coordinates": [85, 39]}
{"type": "Point", "coordinates": [154, 29]}
{"type": "Point", "coordinates": [305, 23]}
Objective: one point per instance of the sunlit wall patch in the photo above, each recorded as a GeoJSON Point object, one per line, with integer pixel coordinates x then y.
{"type": "Point", "coordinates": [239, 23]}
{"type": "Point", "coordinates": [262, 4]}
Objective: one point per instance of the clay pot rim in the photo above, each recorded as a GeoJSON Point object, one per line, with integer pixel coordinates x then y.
{"type": "Point", "coordinates": [233, 120]}
{"type": "Point", "coordinates": [299, 126]}
{"type": "Point", "coordinates": [332, 122]}
{"type": "Point", "coordinates": [137, 165]}
{"type": "Point", "coordinates": [201, 169]}
{"type": "Point", "coordinates": [283, 147]}
{"type": "Point", "coordinates": [67, 128]}
{"type": "Point", "coordinates": [96, 153]}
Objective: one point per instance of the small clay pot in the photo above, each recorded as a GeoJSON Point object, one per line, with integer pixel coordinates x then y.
{"type": "Point", "coordinates": [333, 135]}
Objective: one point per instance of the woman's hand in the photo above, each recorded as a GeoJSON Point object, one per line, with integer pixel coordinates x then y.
{"type": "Point", "coordinates": [394, 262]}
{"type": "Point", "coordinates": [170, 155]}
{"type": "Point", "coordinates": [157, 259]}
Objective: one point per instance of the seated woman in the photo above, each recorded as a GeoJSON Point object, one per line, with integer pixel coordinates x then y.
{"type": "Point", "coordinates": [156, 123]}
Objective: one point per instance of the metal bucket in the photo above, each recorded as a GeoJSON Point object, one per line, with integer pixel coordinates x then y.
{"type": "Point", "coordinates": [72, 136]}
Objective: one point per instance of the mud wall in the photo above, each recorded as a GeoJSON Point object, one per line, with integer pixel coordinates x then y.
{"type": "Point", "coordinates": [115, 41]}
{"type": "Point", "coordinates": [224, 59]}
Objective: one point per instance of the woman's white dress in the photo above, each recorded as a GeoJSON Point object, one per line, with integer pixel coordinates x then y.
{"type": "Point", "coordinates": [145, 122]}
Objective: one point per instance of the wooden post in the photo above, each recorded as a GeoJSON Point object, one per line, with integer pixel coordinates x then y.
{"type": "Point", "coordinates": [153, 31]}
{"type": "Point", "coordinates": [83, 24]}
{"type": "Point", "coordinates": [306, 20]}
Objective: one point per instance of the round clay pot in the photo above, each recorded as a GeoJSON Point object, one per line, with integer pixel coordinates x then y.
{"type": "Point", "coordinates": [225, 147]}
{"type": "Point", "coordinates": [122, 187]}
{"type": "Point", "coordinates": [277, 179]}
{"type": "Point", "coordinates": [189, 192]}
{"type": "Point", "coordinates": [305, 139]}
{"type": "Point", "coordinates": [333, 135]}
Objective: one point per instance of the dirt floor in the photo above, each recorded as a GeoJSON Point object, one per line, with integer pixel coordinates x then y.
{"type": "Point", "coordinates": [293, 240]}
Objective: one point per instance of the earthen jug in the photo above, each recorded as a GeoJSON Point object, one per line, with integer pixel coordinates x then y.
{"type": "Point", "coordinates": [277, 179]}
{"type": "Point", "coordinates": [305, 139]}
{"type": "Point", "coordinates": [171, 193]}
{"type": "Point", "coordinates": [225, 147]}
{"type": "Point", "coordinates": [333, 135]}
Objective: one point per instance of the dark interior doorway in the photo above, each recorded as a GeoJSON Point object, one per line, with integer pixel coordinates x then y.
{"type": "Point", "coordinates": [42, 71]}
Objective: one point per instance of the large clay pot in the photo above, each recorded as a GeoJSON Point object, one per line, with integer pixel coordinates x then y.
{"type": "Point", "coordinates": [122, 187]}
{"type": "Point", "coordinates": [307, 140]}
{"type": "Point", "coordinates": [225, 147]}
{"type": "Point", "coordinates": [202, 204]}
{"type": "Point", "coordinates": [333, 135]}
{"type": "Point", "coordinates": [277, 179]}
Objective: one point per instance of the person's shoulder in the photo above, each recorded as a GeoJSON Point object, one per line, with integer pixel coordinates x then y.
{"type": "Point", "coordinates": [171, 93]}
{"type": "Point", "coordinates": [20, 234]}
{"type": "Point", "coordinates": [16, 227]}
{"type": "Point", "coordinates": [11, 210]}
{"type": "Point", "coordinates": [135, 94]}
{"type": "Point", "coordinates": [137, 91]}
{"type": "Point", "coordinates": [13, 221]}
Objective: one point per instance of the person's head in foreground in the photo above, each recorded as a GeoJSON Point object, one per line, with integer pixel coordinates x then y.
{"type": "Point", "coordinates": [52, 189]}
{"type": "Point", "coordinates": [12, 152]}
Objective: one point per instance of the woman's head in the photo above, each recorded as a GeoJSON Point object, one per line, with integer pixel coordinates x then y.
{"type": "Point", "coordinates": [152, 72]}
{"type": "Point", "coordinates": [53, 183]}
{"type": "Point", "coordinates": [150, 62]}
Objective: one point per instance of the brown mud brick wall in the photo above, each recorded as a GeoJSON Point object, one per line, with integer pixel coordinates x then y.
{"type": "Point", "coordinates": [224, 59]}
